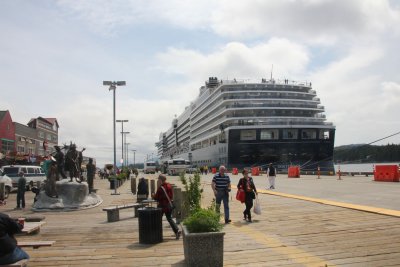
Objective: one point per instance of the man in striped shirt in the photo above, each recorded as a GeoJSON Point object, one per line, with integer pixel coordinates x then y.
{"type": "Point", "coordinates": [221, 185]}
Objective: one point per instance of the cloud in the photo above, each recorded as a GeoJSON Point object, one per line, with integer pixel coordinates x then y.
{"type": "Point", "coordinates": [237, 60]}
{"type": "Point", "coordinates": [315, 21]}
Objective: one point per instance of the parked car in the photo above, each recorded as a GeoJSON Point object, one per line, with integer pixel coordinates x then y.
{"type": "Point", "coordinates": [7, 185]}
{"type": "Point", "coordinates": [33, 174]}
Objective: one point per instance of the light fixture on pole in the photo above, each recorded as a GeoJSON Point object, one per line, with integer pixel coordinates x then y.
{"type": "Point", "coordinates": [122, 143]}
{"type": "Point", "coordinates": [113, 86]}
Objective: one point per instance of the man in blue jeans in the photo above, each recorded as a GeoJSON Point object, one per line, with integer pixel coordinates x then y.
{"type": "Point", "coordinates": [221, 185]}
{"type": "Point", "coordinates": [9, 251]}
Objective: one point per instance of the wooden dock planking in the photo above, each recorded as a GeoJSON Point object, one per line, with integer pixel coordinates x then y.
{"type": "Point", "coordinates": [290, 232]}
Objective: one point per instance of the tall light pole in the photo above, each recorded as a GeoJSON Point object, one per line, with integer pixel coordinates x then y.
{"type": "Point", "coordinates": [113, 86]}
{"type": "Point", "coordinates": [122, 135]}
{"type": "Point", "coordinates": [134, 163]}
{"type": "Point", "coordinates": [126, 153]}
{"type": "Point", "coordinates": [124, 142]}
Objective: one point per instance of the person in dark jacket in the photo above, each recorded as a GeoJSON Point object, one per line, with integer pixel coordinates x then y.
{"type": "Point", "coordinates": [246, 183]}
{"type": "Point", "coordinates": [143, 190]}
{"type": "Point", "coordinates": [91, 172]}
{"type": "Point", "coordinates": [9, 251]}
{"type": "Point", "coordinates": [21, 191]}
{"type": "Point", "coordinates": [164, 195]}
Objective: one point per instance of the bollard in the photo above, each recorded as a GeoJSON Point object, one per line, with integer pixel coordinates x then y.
{"type": "Point", "coordinates": [2, 191]}
{"type": "Point", "coordinates": [152, 186]}
{"type": "Point", "coordinates": [133, 186]}
{"type": "Point", "coordinates": [319, 172]}
{"type": "Point", "coordinates": [176, 213]}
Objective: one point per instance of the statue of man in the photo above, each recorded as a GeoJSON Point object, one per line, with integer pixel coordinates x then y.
{"type": "Point", "coordinates": [59, 156]}
{"type": "Point", "coordinates": [71, 162]}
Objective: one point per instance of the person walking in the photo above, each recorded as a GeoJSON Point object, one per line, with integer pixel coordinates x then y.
{"type": "Point", "coordinates": [9, 251]}
{"type": "Point", "coordinates": [247, 184]}
{"type": "Point", "coordinates": [271, 174]}
{"type": "Point", "coordinates": [164, 196]}
{"type": "Point", "coordinates": [91, 172]}
{"type": "Point", "coordinates": [21, 191]}
{"type": "Point", "coordinates": [221, 185]}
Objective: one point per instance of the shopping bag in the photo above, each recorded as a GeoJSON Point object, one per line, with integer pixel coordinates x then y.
{"type": "Point", "coordinates": [240, 195]}
{"type": "Point", "coordinates": [257, 207]}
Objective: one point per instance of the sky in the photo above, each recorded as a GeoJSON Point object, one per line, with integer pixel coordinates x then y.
{"type": "Point", "coordinates": [55, 55]}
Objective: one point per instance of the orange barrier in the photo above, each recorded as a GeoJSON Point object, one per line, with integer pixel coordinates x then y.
{"type": "Point", "coordinates": [255, 171]}
{"type": "Point", "coordinates": [294, 172]}
{"type": "Point", "coordinates": [386, 173]}
{"type": "Point", "coordinates": [214, 170]}
{"type": "Point", "coordinates": [235, 171]}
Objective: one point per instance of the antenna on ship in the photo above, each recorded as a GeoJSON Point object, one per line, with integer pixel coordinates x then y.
{"type": "Point", "coordinates": [272, 69]}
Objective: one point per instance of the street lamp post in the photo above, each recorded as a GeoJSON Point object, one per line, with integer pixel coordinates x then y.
{"type": "Point", "coordinates": [133, 150]}
{"type": "Point", "coordinates": [122, 142]}
{"type": "Point", "coordinates": [126, 153]}
{"type": "Point", "coordinates": [113, 86]}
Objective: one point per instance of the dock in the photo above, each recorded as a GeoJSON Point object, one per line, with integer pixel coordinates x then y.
{"type": "Point", "coordinates": [294, 229]}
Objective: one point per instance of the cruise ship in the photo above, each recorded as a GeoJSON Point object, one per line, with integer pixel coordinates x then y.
{"type": "Point", "coordinates": [244, 123]}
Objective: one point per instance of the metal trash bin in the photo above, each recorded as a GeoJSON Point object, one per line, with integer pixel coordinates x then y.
{"type": "Point", "coordinates": [150, 225]}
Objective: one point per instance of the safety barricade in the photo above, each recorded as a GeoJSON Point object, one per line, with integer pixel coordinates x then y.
{"type": "Point", "coordinates": [214, 170]}
{"type": "Point", "coordinates": [294, 172]}
{"type": "Point", "coordinates": [235, 171]}
{"type": "Point", "coordinates": [255, 171]}
{"type": "Point", "coordinates": [386, 173]}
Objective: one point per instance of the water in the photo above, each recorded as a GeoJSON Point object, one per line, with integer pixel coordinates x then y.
{"type": "Point", "coordinates": [361, 167]}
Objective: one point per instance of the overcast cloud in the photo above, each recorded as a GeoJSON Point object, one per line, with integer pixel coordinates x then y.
{"type": "Point", "coordinates": [55, 54]}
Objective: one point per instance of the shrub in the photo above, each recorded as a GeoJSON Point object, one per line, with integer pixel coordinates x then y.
{"type": "Point", "coordinates": [203, 220]}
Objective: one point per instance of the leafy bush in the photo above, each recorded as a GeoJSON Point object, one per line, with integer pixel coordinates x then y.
{"type": "Point", "coordinates": [203, 220]}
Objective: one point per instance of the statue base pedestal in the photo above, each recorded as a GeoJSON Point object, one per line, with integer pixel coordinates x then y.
{"type": "Point", "coordinates": [71, 196]}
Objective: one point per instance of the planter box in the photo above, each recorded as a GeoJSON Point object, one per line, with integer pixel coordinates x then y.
{"type": "Point", "coordinates": [203, 249]}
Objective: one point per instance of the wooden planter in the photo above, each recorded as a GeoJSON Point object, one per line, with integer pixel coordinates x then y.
{"type": "Point", "coordinates": [203, 249]}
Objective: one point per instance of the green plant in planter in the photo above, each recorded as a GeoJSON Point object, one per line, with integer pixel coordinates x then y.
{"type": "Point", "coordinates": [203, 220]}
{"type": "Point", "coordinates": [112, 177]}
{"type": "Point", "coordinates": [192, 186]}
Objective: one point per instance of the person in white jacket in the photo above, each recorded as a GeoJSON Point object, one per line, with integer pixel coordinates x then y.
{"type": "Point", "coordinates": [271, 174]}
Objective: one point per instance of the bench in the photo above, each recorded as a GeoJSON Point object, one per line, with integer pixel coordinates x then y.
{"type": "Point", "coordinates": [113, 211]}
{"type": "Point", "coordinates": [31, 228]}
{"type": "Point", "coordinates": [21, 263]}
{"type": "Point", "coordinates": [35, 244]}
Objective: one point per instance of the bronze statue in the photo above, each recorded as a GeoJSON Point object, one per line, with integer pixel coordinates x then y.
{"type": "Point", "coordinates": [72, 163]}
{"type": "Point", "coordinates": [59, 157]}
{"type": "Point", "coordinates": [91, 171]}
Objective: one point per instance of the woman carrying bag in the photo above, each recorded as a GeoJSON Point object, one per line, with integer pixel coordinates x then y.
{"type": "Point", "coordinates": [246, 183]}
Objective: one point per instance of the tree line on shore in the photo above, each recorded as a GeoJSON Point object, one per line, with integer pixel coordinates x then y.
{"type": "Point", "coordinates": [367, 153]}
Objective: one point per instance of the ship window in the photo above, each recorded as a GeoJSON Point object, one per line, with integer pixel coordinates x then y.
{"type": "Point", "coordinates": [308, 134]}
{"type": "Point", "coordinates": [290, 134]}
{"type": "Point", "coordinates": [324, 135]}
{"type": "Point", "coordinates": [269, 134]}
{"type": "Point", "coordinates": [248, 135]}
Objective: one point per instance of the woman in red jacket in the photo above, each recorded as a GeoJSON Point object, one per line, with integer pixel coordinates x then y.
{"type": "Point", "coordinates": [246, 183]}
{"type": "Point", "coordinates": [165, 196]}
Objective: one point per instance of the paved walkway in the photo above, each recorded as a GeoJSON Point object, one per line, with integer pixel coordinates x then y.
{"type": "Point", "coordinates": [289, 232]}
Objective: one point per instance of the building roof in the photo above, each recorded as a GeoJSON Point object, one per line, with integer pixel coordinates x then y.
{"type": "Point", "coordinates": [2, 114]}
{"type": "Point", "coordinates": [52, 121]}
{"type": "Point", "coordinates": [23, 130]}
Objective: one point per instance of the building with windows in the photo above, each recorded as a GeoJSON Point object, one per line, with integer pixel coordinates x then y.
{"type": "Point", "coordinates": [252, 123]}
{"type": "Point", "coordinates": [7, 134]}
{"type": "Point", "coordinates": [26, 143]}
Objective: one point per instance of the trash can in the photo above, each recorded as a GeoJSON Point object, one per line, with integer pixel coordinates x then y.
{"type": "Point", "coordinates": [150, 225]}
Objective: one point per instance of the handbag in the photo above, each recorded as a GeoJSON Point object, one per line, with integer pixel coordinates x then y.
{"type": "Point", "coordinates": [171, 204]}
{"type": "Point", "coordinates": [257, 207]}
{"type": "Point", "coordinates": [240, 195]}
